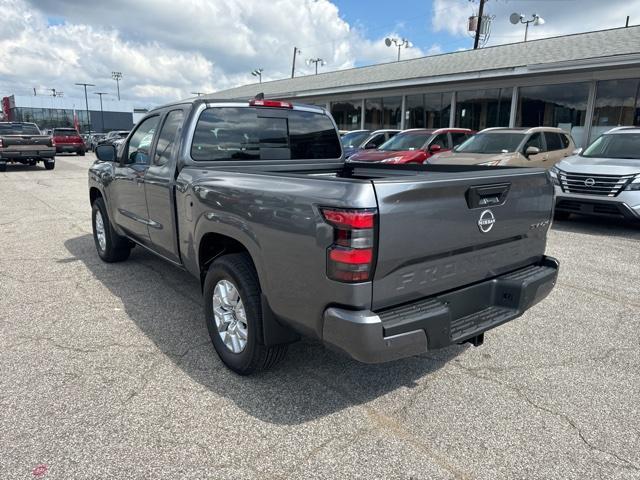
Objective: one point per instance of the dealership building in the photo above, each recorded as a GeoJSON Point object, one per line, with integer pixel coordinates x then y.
{"type": "Point", "coordinates": [584, 83]}
{"type": "Point", "coordinates": [50, 112]}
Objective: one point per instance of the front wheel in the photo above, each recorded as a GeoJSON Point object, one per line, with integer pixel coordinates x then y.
{"type": "Point", "coordinates": [233, 313]}
{"type": "Point", "coordinates": [111, 247]}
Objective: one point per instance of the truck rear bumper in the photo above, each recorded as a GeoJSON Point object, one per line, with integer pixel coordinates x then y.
{"type": "Point", "coordinates": [17, 155]}
{"type": "Point", "coordinates": [436, 322]}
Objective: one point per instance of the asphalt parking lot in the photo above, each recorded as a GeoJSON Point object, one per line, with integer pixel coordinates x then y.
{"type": "Point", "coordinates": [107, 371]}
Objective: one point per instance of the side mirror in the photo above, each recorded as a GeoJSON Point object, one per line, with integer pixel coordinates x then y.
{"type": "Point", "coordinates": [531, 151]}
{"type": "Point", "coordinates": [106, 153]}
{"type": "Point", "coordinates": [434, 148]}
{"type": "Point", "coordinates": [577, 151]}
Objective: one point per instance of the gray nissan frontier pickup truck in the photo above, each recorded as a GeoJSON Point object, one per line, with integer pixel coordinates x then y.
{"type": "Point", "coordinates": [378, 261]}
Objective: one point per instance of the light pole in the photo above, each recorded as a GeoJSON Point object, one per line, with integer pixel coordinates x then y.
{"type": "Point", "coordinates": [86, 101]}
{"type": "Point", "coordinates": [316, 61]}
{"type": "Point", "coordinates": [258, 73]}
{"type": "Point", "coordinates": [117, 76]}
{"type": "Point", "coordinates": [101, 111]}
{"type": "Point", "coordinates": [398, 43]}
{"type": "Point", "coordinates": [296, 50]}
{"type": "Point", "coordinates": [536, 19]}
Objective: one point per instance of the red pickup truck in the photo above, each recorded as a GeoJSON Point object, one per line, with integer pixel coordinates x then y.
{"type": "Point", "coordinates": [68, 140]}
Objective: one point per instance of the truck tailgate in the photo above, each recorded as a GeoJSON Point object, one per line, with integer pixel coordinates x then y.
{"type": "Point", "coordinates": [435, 234]}
{"type": "Point", "coordinates": [20, 141]}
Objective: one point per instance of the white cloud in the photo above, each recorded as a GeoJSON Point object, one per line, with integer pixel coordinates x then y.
{"type": "Point", "coordinates": [169, 48]}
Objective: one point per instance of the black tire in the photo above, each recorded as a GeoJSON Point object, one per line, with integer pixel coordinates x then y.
{"type": "Point", "coordinates": [116, 248]}
{"type": "Point", "coordinates": [33, 163]}
{"type": "Point", "coordinates": [81, 153]}
{"type": "Point", "coordinates": [49, 164]}
{"type": "Point", "coordinates": [239, 270]}
{"type": "Point", "coordinates": [561, 216]}
{"type": "Point", "coordinates": [3, 166]}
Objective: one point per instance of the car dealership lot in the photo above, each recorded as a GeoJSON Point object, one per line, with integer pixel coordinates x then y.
{"type": "Point", "coordinates": [109, 371]}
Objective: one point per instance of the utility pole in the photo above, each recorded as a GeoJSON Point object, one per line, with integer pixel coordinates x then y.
{"type": "Point", "coordinates": [117, 76]}
{"type": "Point", "coordinates": [480, 12]}
{"type": "Point", "coordinates": [296, 50]}
{"type": "Point", "coordinates": [101, 111]}
{"type": "Point", "coordinates": [86, 101]}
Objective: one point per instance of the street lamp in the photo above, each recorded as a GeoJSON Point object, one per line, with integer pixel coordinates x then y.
{"type": "Point", "coordinates": [398, 43]}
{"type": "Point", "coordinates": [316, 61]}
{"type": "Point", "coordinates": [117, 76]}
{"type": "Point", "coordinates": [257, 73]}
{"type": "Point", "coordinates": [101, 111]}
{"type": "Point", "coordinates": [86, 101]}
{"type": "Point", "coordinates": [517, 18]}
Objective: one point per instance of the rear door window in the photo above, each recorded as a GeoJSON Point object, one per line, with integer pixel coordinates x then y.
{"type": "Point", "coordinates": [168, 136]}
{"type": "Point", "coordinates": [376, 141]}
{"type": "Point", "coordinates": [553, 141]}
{"type": "Point", "coordinates": [247, 133]}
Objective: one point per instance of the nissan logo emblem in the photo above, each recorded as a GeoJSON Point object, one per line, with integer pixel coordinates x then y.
{"type": "Point", "coordinates": [486, 221]}
{"type": "Point", "coordinates": [589, 182]}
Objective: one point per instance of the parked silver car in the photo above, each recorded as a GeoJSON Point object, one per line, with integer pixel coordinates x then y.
{"type": "Point", "coordinates": [604, 180]}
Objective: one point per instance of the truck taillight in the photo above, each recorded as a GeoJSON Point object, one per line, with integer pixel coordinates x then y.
{"type": "Point", "coordinates": [351, 257]}
{"type": "Point", "coordinates": [52, 142]}
{"type": "Point", "coordinates": [0, 143]}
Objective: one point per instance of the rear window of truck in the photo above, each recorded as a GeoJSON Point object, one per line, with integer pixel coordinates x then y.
{"type": "Point", "coordinates": [18, 129]}
{"type": "Point", "coordinates": [68, 132]}
{"type": "Point", "coordinates": [247, 133]}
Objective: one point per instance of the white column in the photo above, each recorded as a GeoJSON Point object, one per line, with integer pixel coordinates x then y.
{"type": "Point", "coordinates": [452, 114]}
{"type": "Point", "coordinates": [514, 107]}
{"type": "Point", "coordinates": [588, 118]}
{"type": "Point", "coordinates": [403, 109]}
{"type": "Point", "coordinates": [362, 115]}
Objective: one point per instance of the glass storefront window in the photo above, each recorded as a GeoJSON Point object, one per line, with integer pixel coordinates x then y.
{"type": "Point", "coordinates": [429, 110]}
{"type": "Point", "coordinates": [347, 114]}
{"type": "Point", "coordinates": [392, 112]}
{"type": "Point", "coordinates": [479, 109]}
{"type": "Point", "coordinates": [563, 106]}
{"type": "Point", "coordinates": [617, 104]}
{"type": "Point", "coordinates": [382, 113]}
{"type": "Point", "coordinates": [373, 113]}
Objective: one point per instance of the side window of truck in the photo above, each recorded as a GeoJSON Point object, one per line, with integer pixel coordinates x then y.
{"type": "Point", "coordinates": [140, 143]}
{"type": "Point", "coordinates": [168, 136]}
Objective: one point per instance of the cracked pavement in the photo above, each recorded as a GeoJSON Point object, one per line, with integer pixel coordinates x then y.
{"type": "Point", "coordinates": [108, 372]}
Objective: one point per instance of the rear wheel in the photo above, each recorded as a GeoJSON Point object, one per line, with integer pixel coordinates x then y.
{"type": "Point", "coordinates": [33, 163]}
{"type": "Point", "coordinates": [111, 247]}
{"type": "Point", "coordinates": [49, 164]}
{"type": "Point", "coordinates": [81, 153]}
{"type": "Point", "coordinates": [3, 166]}
{"type": "Point", "coordinates": [233, 313]}
{"type": "Point", "coordinates": [560, 216]}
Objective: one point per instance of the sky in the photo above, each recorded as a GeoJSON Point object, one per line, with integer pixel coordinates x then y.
{"type": "Point", "coordinates": [167, 49]}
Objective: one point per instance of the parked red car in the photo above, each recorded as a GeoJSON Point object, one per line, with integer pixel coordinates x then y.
{"type": "Point", "coordinates": [414, 145]}
{"type": "Point", "coordinates": [68, 140]}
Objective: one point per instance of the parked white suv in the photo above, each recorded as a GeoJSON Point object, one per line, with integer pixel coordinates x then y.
{"type": "Point", "coordinates": [604, 180]}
